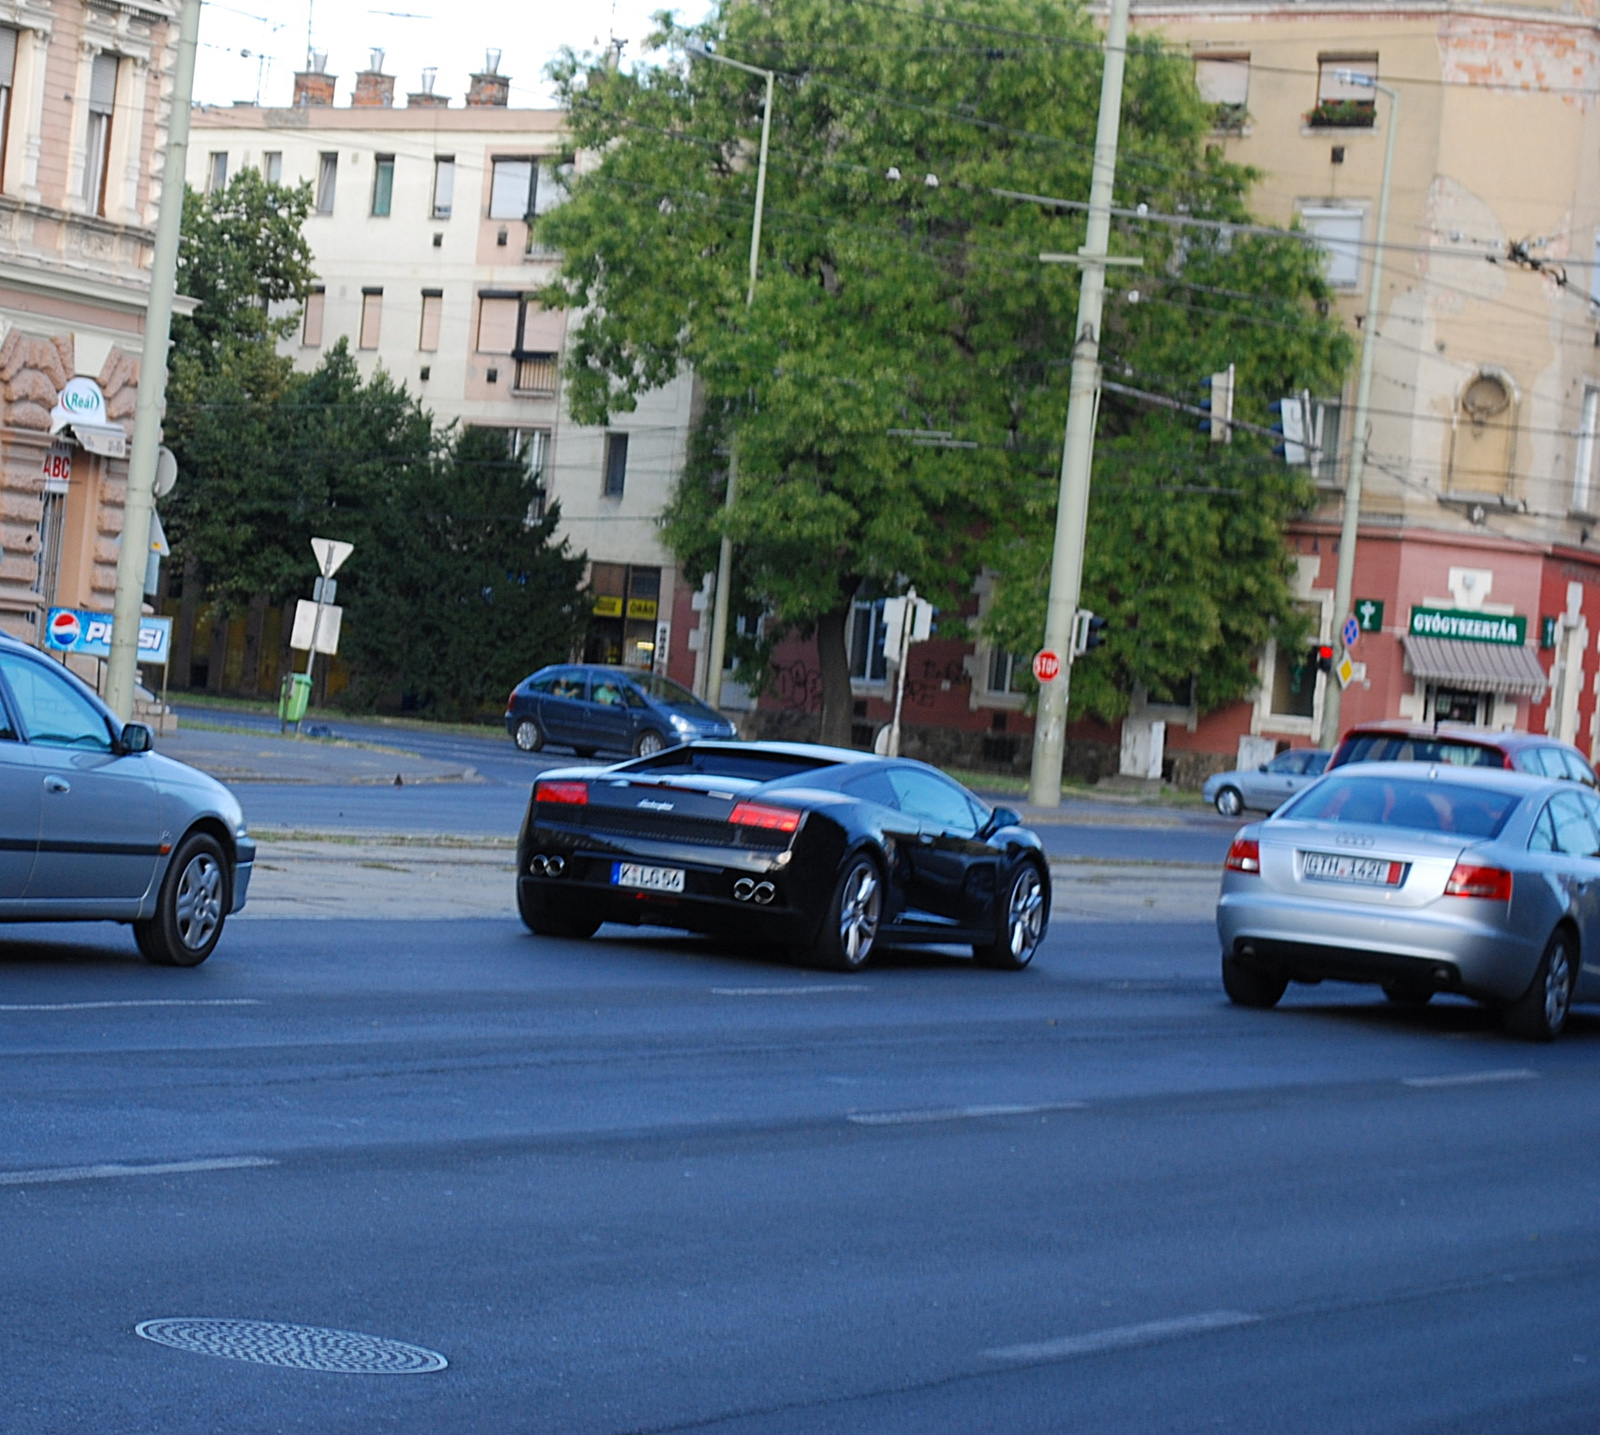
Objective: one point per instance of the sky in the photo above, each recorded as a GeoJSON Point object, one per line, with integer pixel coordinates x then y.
{"type": "Point", "coordinates": [250, 49]}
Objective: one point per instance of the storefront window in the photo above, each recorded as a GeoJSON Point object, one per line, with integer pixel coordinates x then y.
{"type": "Point", "coordinates": [627, 602]}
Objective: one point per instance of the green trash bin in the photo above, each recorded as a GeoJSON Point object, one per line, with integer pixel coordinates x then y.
{"type": "Point", "coordinates": [295, 697]}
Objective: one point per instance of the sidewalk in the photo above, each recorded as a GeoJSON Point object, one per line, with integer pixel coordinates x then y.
{"type": "Point", "coordinates": [238, 756]}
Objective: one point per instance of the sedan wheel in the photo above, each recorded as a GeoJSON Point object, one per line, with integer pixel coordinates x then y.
{"type": "Point", "coordinates": [1229, 802]}
{"type": "Point", "coordinates": [191, 907]}
{"type": "Point", "coordinates": [851, 926]}
{"type": "Point", "coordinates": [1251, 986]}
{"type": "Point", "coordinates": [1021, 923]}
{"type": "Point", "coordinates": [1541, 1011]}
{"type": "Point", "coordinates": [527, 735]}
{"type": "Point", "coordinates": [648, 743]}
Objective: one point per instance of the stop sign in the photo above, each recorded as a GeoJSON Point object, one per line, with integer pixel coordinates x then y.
{"type": "Point", "coordinates": [1046, 666]}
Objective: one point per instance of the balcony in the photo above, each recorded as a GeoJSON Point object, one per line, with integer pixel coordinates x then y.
{"type": "Point", "coordinates": [1342, 115]}
{"type": "Point", "coordinates": [535, 375]}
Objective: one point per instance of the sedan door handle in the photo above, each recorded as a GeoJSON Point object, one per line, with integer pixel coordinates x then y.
{"type": "Point", "coordinates": [57, 784]}
{"type": "Point", "coordinates": [924, 839]}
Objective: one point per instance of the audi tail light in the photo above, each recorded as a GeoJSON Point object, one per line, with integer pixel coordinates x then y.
{"type": "Point", "coordinates": [575, 794]}
{"type": "Point", "coordinates": [1244, 855]}
{"type": "Point", "coordinates": [761, 814]}
{"type": "Point", "coordinates": [1468, 880]}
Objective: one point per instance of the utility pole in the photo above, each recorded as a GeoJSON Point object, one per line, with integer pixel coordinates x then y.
{"type": "Point", "coordinates": [1077, 450]}
{"type": "Point", "coordinates": [134, 556]}
{"type": "Point", "coordinates": [719, 602]}
{"type": "Point", "coordinates": [1345, 582]}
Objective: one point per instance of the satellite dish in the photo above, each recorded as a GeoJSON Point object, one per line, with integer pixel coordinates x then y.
{"type": "Point", "coordinates": [166, 472]}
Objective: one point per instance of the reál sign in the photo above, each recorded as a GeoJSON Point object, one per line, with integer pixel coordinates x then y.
{"type": "Point", "coordinates": [1507, 630]}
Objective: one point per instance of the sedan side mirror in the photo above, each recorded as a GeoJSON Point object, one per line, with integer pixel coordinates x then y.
{"type": "Point", "coordinates": [135, 738]}
{"type": "Point", "coordinates": [1003, 817]}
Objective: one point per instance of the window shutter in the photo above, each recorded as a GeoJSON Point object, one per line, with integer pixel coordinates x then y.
{"type": "Point", "coordinates": [497, 325]}
{"type": "Point", "coordinates": [8, 56]}
{"type": "Point", "coordinates": [1223, 79]}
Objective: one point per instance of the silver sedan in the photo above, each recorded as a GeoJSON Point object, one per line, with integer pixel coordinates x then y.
{"type": "Point", "coordinates": [1422, 878]}
{"type": "Point", "coordinates": [1268, 786]}
{"type": "Point", "coordinates": [95, 826]}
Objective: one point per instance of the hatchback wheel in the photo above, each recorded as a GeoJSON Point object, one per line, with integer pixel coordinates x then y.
{"type": "Point", "coordinates": [1020, 923]}
{"type": "Point", "coordinates": [648, 743]}
{"type": "Point", "coordinates": [1541, 1011]}
{"type": "Point", "coordinates": [527, 735]}
{"type": "Point", "coordinates": [1230, 803]}
{"type": "Point", "coordinates": [851, 925]}
{"type": "Point", "coordinates": [191, 907]}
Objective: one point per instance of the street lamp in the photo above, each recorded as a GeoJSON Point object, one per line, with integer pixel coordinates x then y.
{"type": "Point", "coordinates": [719, 606]}
{"type": "Point", "coordinates": [1331, 700]}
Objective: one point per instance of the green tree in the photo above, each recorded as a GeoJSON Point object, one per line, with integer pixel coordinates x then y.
{"type": "Point", "coordinates": [464, 590]}
{"type": "Point", "coordinates": [901, 301]}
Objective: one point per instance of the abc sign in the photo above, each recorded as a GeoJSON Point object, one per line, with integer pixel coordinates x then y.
{"type": "Point", "coordinates": [1046, 666]}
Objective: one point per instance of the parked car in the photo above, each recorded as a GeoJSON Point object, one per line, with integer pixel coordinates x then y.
{"type": "Point", "coordinates": [616, 709]}
{"type": "Point", "coordinates": [1267, 787]}
{"type": "Point", "coordinates": [1463, 746]}
{"type": "Point", "coordinates": [94, 826]}
{"type": "Point", "coordinates": [1423, 878]}
{"type": "Point", "coordinates": [820, 851]}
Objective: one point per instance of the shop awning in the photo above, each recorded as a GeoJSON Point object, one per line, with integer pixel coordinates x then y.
{"type": "Point", "coordinates": [105, 439]}
{"type": "Point", "coordinates": [1476, 667]}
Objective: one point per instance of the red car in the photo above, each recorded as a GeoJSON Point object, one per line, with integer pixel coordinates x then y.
{"type": "Point", "coordinates": [1463, 746]}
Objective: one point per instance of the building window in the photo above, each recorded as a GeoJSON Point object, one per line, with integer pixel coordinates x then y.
{"type": "Point", "coordinates": [1224, 84]}
{"type": "Point", "coordinates": [97, 151]}
{"type": "Point", "coordinates": [217, 172]}
{"type": "Point", "coordinates": [327, 181]}
{"type": "Point", "coordinates": [371, 317]}
{"type": "Point", "coordinates": [8, 69]}
{"type": "Point", "coordinates": [1005, 672]}
{"type": "Point", "coordinates": [1340, 104]}
{"type": "Point", "coordinates": [532, 447]}
{"type": "Point", "coordinates": [1583, 472]}
{"type": "Point", "coordinates": [444, 185]}
{"type": "Point", "coordinates": [1594, 274]}
{"type": "Point", "coordinates": [1338, 235]}
{"type": "Point", "coordinates": [382, 185]}
{"type": "Point", "coordinates": [498, 319]}
{"type": "Point", "coordinates": [616, 475]}
{"type": "Point", "coordinates": [512, 189]}
{"type": "Point", "coordinates": [272, 166]}
{"type": "Point", "coordinates": [536, 374]}
{"type": "Point", "coordinates": [432, 313]}
{"type": "Point", "coordinates": [311, 327]}
{"type": "Point", "coordinates": [867, 660]}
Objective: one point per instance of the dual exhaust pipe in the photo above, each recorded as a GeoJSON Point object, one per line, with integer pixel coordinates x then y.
{"type": "Point", "coordinates": [761, 893]}
{"type": "Point", "coordinates": [548, 866]}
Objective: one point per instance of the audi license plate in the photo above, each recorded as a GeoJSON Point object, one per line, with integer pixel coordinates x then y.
{"type": "Point", "coordinates": [650, 879]}
{"type": "Point", "coordinates": [1367, 871]}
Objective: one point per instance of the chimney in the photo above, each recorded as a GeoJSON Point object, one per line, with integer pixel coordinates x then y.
{"type": "Point", "coordinates": [425, 99]}
{"type": "Point", "coordinates": [490, 88]}
{"type": "Point", "coordinates": [314, 85]}
{"type": "Point", "coordinates": [374, 89]}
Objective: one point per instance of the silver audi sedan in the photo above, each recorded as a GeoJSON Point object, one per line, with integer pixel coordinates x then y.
{"type": "Point", "coordinates": [1423, 878]}
{"type": "Point", "coordinates": [94, 826]}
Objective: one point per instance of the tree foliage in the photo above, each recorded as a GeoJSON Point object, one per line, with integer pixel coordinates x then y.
{"type": "Point", "coordinates": [901, 310]}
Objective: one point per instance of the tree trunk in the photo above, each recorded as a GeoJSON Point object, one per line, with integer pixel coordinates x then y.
{"type": "Point", "coordinates": [833, 662]}
{"type": "Point", "coordinates": [182, 656]}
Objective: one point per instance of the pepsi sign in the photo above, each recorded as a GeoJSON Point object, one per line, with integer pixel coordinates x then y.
{"type": "Point", "coordinates": [75, 630]}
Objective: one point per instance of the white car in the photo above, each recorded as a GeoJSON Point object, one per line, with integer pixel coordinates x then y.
{"type": "Point", "coordinates": [1268, 787]}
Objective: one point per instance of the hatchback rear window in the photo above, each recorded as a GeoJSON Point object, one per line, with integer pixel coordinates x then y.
{"type": "Point", "coordinates": [1422, 806]}
{"type": "Point", "coordinates": [1391, 747]}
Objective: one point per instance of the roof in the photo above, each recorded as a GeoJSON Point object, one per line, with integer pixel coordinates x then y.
{"type": "Point", "coordinates": [1476, 667]}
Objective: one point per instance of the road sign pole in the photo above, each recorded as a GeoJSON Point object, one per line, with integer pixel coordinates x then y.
{"type": "Point", "coordinates": [1077, 451]}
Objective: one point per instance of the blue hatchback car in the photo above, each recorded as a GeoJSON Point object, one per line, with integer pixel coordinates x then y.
{"type": "Point", "coordinates": [618, 709]}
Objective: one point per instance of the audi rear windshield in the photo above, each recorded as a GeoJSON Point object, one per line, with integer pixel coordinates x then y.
{"type": "Point", "coordinates": [1418, 804]}
{"type": "Point", "coordinates": [751, 766]}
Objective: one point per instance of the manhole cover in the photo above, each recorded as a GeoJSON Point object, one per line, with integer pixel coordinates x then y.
{"type": "Point", "coordinates": [301, 1347]}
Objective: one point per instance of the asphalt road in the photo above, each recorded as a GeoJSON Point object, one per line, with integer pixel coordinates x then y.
{"type": "Point", "coordinates": [646, 1184]}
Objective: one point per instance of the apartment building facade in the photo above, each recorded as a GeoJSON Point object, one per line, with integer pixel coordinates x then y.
{"type": "Point", "coordinates": [85, 95]}
{"type": "Point", "coordinates": [420, 236]}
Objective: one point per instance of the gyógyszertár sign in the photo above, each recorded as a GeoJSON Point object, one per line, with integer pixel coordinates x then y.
{"type": "Point", "coordinates": [1505, 629]}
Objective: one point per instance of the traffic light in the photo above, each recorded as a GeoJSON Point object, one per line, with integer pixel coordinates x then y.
{"type": "Point", "coordinates": [1088, 633]}
{"type": "Point", "coordinates": [1217, 401]}
{"type": "Point", "coordinates": [1324, 656]}
{"type": "Point", "coordinates": [1300, 423]}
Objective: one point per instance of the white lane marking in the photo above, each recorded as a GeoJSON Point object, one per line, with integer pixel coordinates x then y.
{"type": "Point", "coordinates": [1122, 1337]}
{"type": "Point", "coordinates": [51, 1175]}
{"type": "Point", "coordinates": [107, 1006]}
{"type": "Point", "coordinates": [790, 991]}
{"type": "Point", "coordinates": [958, 1113]}
{"type": "Point", "coordinates": [1472, 1078]}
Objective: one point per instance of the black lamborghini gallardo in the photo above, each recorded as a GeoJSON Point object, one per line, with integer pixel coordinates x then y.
{"type": "Point", "coordinates": [816, 851]}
